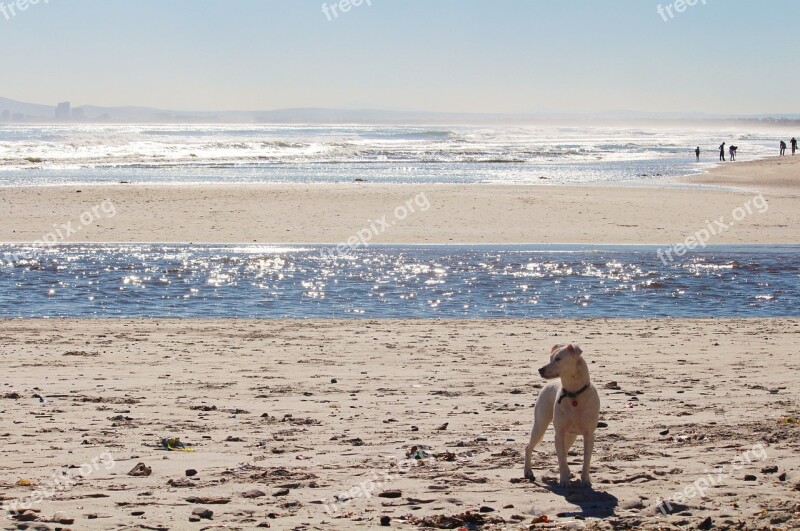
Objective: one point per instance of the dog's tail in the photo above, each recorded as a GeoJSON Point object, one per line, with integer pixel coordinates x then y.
{"type": "Point", "coordinates": [543, 411]}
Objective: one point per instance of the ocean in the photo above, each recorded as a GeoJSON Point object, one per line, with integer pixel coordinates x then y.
{"type": "Point", "coordinates": [263, 281]}
{"type": "Point", "coordinates": [459, 282]}
{"type": "Point", "coordinates": [168, 154]}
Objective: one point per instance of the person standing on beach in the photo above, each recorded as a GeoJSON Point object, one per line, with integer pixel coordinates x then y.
{"type": "Point", "coordinates": [697, 153]}
{"type": "Point", "coordinates": [793, 142]}
{"type": "Point", "coordinates": [783, 148]}
{"type": "Point", "coordinates": [722, 152]}
{"type": "Point", "coordinates": [732, 151]}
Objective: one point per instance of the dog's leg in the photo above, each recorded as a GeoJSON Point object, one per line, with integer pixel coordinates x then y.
{"type": "Point", "coordinates": [537, 434]}
{"type": "Point", "coordinates": [561, 451]}
{"type": "Point", "coordinates": [588, 447]}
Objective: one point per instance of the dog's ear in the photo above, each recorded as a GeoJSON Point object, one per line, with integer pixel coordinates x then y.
{"type": "Point", "coordinates": [556, 347]}
{"type": "Point", "coordinates": [575, 349]}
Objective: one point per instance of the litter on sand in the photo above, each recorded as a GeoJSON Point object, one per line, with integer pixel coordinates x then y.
{"type": "Point", "coordinates": [173, 444]}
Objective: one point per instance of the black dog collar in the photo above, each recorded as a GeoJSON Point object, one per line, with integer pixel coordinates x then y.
{"type": "Point", "coordinates": [565, 393]}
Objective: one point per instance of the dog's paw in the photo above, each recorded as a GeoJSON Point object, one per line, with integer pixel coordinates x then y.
{"type": "Point", "coordinates": [529, 475]}
{"type": "Point", "coordinates": [586, 481]}
{"type": "Point", "coordinates": [563, 483]}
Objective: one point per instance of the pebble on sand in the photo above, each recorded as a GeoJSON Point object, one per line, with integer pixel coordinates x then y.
{"type": "Point", "coordinates": [200, 512]}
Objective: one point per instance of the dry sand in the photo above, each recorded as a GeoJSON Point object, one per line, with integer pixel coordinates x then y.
{"type": "Point", "coordinates": [692, 395]}
{"type": "Point", "coordinates": [491, 214]}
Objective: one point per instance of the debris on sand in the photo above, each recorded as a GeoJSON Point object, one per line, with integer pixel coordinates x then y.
{"type": "Point", "coordinates": [467, 520]}
{"type": "Point", "coordinates": [208, 500]}
{"type": "Point", "coordinates": [140, 470]}
{"type": "Point", "coordinates": [174, 444]}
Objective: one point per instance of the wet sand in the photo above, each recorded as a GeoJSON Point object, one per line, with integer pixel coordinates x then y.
{"type": "Point", "coordinates": [439, 214]}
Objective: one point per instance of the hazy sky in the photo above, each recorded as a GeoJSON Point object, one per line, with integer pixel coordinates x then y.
{"type": "Point", "coordinates": [724, 56]}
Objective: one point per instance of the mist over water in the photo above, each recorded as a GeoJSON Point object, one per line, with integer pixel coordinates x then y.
{"type": "Point", "coordinates": [67, 154]}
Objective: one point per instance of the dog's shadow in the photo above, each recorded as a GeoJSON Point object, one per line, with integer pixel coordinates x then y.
{"type": "Point", "coordinates": [593, 503]}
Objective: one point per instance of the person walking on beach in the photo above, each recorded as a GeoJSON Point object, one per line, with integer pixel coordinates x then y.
{"type": "Point", "coordinates": [783, 148]}
{"type": "Point", "coordinates": [793, 142]}
{"type": "Point", "coordinates": [697, 153]}
{"type": "Point", "coordinates": [722, 152]}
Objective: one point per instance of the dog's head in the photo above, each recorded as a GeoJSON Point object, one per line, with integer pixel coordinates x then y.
{"type": "Point", "coordinates": [563, 358]}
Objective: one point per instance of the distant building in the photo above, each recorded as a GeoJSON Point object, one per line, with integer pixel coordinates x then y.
{"type": "Point", "coordinates": [17, 117]}
{"type": "Point", "coordinates": [78, 114]}
{"type": "Point", "coordinates": [6, 116]}
{"type": "Point", "coordinates": [63, 111]}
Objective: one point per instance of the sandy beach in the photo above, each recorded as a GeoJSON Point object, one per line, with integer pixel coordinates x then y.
{"type": "Point", "coordinates": [283, 416]}
{"type": "Point", "coordinates": [312, 424]}
{"type": "Point", "coordinates": [440, 214]}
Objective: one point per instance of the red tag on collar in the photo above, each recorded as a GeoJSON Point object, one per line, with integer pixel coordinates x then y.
{"type": "Point", "coordinates": [574, 403]}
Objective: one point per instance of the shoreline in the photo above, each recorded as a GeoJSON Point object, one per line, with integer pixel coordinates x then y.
{"type": "Point", "coordinates": [667, 182]}
{"type": "Point", "coordinates": [672, 183]}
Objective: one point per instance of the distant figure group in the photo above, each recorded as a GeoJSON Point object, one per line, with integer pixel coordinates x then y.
{"type": "Point", "coordinates": [793, 142]}
{"type": "Point", "coordinates": [732, 150]}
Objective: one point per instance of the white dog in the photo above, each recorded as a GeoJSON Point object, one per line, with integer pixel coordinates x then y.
{"type": "Point", "coordinates": [574, 407]}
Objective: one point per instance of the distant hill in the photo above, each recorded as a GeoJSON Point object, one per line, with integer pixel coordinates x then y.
{"type": "Point", "coordinates": [29, 110]}
{"type": "Point", "coordinates": [32, 112]}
